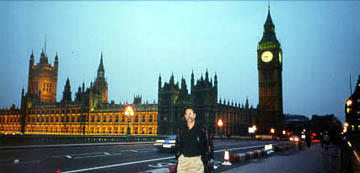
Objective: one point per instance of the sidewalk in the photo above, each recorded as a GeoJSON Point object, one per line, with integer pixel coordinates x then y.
{"type": "Point", "coordinates": [309, 160]}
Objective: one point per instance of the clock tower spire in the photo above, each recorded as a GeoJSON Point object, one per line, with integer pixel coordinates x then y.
{"type": "Point", "coordinates": [269, 62]}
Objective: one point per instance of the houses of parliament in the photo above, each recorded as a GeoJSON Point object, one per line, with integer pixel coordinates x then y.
{"type": "Point", "coordinates": [90, 112]}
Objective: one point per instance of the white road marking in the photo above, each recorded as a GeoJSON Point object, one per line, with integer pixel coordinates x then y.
{"type": "Point", "coordinates": [79, 154]}
{"type": "Point", "coordinates": [106, 153]}
{"type": "Point", "coordinates": [31, 161]}
{"type": "Point", "coordinates": [134, 151]}
{"type": "Point", "coordinates": [68, 156]}
{"type": "Point", "coordinates": [81, 157]}
{"type": "Point", "coordinates": [120, 164]}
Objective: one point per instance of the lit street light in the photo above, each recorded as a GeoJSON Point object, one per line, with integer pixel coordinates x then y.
{"type": "Point", "coordinates": [272, 131]}
{"type": "Point", "coordinates": [220, 124]}
{"type": "Point", "coordinates": [254, 127]}
{"type": "Point", "coordinates": [129, 113]}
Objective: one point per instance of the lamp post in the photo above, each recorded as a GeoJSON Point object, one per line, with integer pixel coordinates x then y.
{"type": "Point", "coordinates": [272, 131]}
{"type": "Point", "coordinates": [129, 113]}
{"type": "Point", "coordinates": [220, 124]}
{"type": "Point", "coordinates": [255, 128]}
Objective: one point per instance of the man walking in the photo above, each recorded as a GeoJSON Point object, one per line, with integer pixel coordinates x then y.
{"type": "Point", "coordinates": [194, 147]}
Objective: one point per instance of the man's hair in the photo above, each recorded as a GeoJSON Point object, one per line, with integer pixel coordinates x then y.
{"type": "Point", "coordinates": [189, 107]}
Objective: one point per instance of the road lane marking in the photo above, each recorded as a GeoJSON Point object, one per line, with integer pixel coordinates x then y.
{"type": "Point", "coordinates": [68, 156]}
{"type": "Point", "coordinates": [134, 151]}
{"type": "Point", "coordinates": [81, 157]}
{"type": "Point", "coordinates": [79, 154]}
{"type": "Point", "coordinates": [117, 165]}
{"type": "Point", "coordinates": [106, 153]}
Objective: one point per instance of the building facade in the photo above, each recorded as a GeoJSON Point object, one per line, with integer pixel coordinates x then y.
{"type": "Point", "coordinates": [269, 62]}
{"type": "Point", "coordinates": [88, 114]}
{"type": "Point", "coordinates": [42, 83]}
{"type": "Point", "coordinates": [352, 111]}
{"type": "Point", "coordinates": [203, 97]}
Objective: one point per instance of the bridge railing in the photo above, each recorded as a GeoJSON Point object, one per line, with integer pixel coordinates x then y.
{"type": "Point", "coordinates": [18, 139]}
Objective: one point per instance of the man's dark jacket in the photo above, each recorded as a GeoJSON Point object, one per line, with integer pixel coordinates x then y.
{"type": "Point", "coordinates": [204, 141]}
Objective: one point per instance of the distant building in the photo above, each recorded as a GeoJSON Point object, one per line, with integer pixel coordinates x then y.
{"type": "Point", "coordinates": [352, 110]}
{"type": "Point", "coordinates": [203, 97]}
{"type": "Point", "coordinates": [296, 123]}
{"type": "Point", "coordinates": [89, 114]}
{"type": "Point", "coordinates": [325, 123]}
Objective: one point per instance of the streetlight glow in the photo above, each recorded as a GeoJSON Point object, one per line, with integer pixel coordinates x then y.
{"type": "Point", "coordinates": [254, 127]}
{"type": "Point", "coordinates": [272, 130]}
{"type": "Point", "coordinates": [129, 113]}
{"type": "Point", "coordinates": [220, 123]}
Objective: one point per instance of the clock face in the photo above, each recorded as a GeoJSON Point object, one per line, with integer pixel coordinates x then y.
{"type": "Point", "coordinates": [280, 57]}
{"type": "Point", "coordinates": [266, 56]}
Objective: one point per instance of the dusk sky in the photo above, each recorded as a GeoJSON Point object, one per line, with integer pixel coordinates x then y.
{"type": "Point", "coordinates": [140, 40]}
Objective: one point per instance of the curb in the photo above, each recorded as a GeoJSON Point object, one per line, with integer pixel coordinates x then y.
{"type": "Point", "coordinates": [240, 157]}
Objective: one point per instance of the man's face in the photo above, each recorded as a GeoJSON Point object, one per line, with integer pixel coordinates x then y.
{"type": "Point", "coordinates": [190, 115]}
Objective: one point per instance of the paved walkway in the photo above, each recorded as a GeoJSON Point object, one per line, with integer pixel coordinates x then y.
{"type": "Point", "coordinates": [309, 160]}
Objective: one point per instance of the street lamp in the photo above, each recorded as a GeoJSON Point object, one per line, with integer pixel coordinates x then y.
{"type": "Point", "coordinates": [129, 113]}
{"type": "Point", "coordinates": [220, 124]}
{"type": "Point", "coordinates": [254, 128]}
{"type": "Point", "coordinates": [272, 131]}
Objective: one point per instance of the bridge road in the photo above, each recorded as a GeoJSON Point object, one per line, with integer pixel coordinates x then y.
{"type": "Point", "coordinates": [103, 158]}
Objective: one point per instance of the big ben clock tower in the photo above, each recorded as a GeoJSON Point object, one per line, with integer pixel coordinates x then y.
{"type": "Point", "coordinates": [269, 61]}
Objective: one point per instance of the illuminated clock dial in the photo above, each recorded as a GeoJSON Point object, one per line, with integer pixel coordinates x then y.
{"type": "Point", "coordinates": [280, 57]}
{"type": "Point", "coordinates": [266, 56]}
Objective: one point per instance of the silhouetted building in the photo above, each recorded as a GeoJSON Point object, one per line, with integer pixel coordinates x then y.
{"type": "Point", "coordinates": [96, 94]}
{"type": "Point", "coordinates": [203, 97]}
{"type": "Point", "coordinates": [269, 61]}
{"type": "Point", "coordinates": [352, 110]}
{"type": "Point", "coordinates": [67, 92]}
{"type": "Point", "coordinates": [296, 123]}
{"type": "Point", "coordinates": [325, 123]}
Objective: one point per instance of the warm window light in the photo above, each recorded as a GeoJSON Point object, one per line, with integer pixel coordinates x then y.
{"type": "Point", "coordinates": [348, 110]}
{"type": "Point", "coordinates": [254, 127]}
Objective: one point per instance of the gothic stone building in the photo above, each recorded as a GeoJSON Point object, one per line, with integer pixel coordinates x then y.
{"type": "Point", "coordinates": [203, 96]}
{"type": "Point", "coordinates": [88, 114]}
{"type": "Point", "coordinates": [269, 62]}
